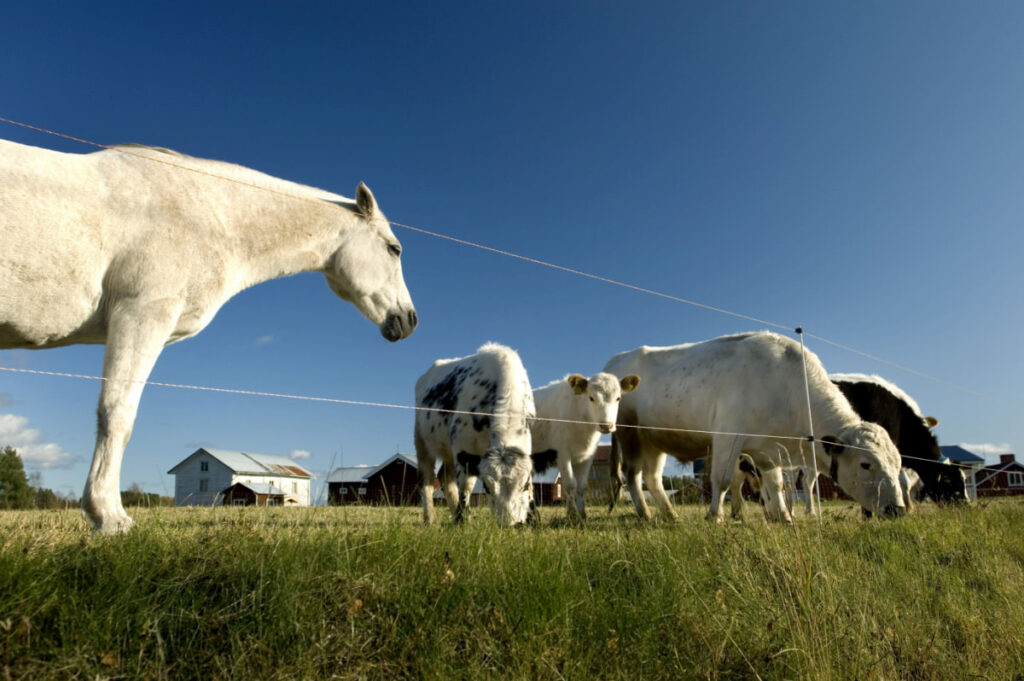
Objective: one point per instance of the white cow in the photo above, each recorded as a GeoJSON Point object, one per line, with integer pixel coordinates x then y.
{"type": "Point", "coordinates": [138, 247]}
{"type": "Point", "coordinates": [571, 415]}
{"type": "Point", "coordinates": [474, 414]}
{"type": "Point", "coordinates": [745, 393]}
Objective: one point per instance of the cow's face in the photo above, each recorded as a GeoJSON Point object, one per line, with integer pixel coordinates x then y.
{"type": "Point", "coordinates": [506, 473]}
{"type": "Point", "coordinates": [867, 467]}
{"type": "Point", "coordinates": [600, 395]}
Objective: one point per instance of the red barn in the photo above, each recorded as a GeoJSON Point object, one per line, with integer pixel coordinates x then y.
{"type": "Point", "coordinates": [392, 483]}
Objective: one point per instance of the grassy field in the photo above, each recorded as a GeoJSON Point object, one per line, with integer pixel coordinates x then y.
{"type": "Point", "coordinates": [318, 593]}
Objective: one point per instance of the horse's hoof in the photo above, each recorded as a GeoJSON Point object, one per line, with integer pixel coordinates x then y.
{"type": "Point", "coordinates": [113, 526]}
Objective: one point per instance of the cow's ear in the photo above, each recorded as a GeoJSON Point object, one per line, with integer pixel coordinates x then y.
{"type": "Point", "coordinates": [832, 445]}
{"type": "Point", "coordinates": [931, 421]}
{"type": "Point", "coordinates": [365, 201]}
{"type": "Point", "coordinates": [544, 460]}
{"type": "Point", "coordinates": [629, 383]}
{"type": "Point", "coordinates": [578, 383]}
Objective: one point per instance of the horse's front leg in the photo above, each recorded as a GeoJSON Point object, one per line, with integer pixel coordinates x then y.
{"type": "Point", "coordinates": [135, 336]}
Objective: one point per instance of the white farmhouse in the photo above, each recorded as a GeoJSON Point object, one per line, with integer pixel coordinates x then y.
{"type": "Point", "coordinates": [202, 478]}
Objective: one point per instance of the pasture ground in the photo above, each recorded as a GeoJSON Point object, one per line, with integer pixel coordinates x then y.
{"type": "Point", "coordinates": [364, 593]}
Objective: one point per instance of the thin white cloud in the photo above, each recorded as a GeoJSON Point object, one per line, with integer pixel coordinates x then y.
{"type": "Point", "coordinates": [988, 450]}
{"type": "Point", "coordinates": [14, 432]}
{"type": "Point", "coordinates": [5, 400]}
{"type": "Point", "coordinates": [299, 454]}
{"type": "Point", "coordinates": [264, 340]}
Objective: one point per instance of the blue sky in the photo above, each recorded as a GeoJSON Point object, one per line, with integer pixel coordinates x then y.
{"type": "Point", "coordinates": [855, 168]}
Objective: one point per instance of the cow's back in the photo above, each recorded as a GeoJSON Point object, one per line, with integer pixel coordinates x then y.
{"type": "Point", "coordinates": [490, 391]}
{"type": "Point", "coordinates": [750, 383]}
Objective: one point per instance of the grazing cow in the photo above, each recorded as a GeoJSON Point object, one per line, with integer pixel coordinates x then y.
{"type": "Point", "coordinates": [879, 401]}
{"type": "Point", "coordinates": [745, 393]}
{"type": "Point", "coordinates": [571, 415]}
{"type": "Point", "coordinates": [474, 414]}
{"type": "Point", "coordinates": [138, 247]}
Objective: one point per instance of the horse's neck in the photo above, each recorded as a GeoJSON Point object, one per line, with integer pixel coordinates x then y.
{"type": "Point", "coordinates": [279, 235]}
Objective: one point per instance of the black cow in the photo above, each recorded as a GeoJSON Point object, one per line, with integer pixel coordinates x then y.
{"type": "Point", "coordinates": [881, 402]}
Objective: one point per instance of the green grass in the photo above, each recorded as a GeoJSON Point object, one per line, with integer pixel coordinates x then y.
{"type": "Point", "coordinates": [229, 593]}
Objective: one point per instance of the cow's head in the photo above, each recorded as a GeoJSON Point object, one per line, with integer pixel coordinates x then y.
{"type": "Point", "coordinates": [866, 465]}
{"type": "Point", "coordinates": [601, 394]}
{"type": "Point", "coordinates": [506, 473]}
{"type": "Point", "coordinates": [942, 481]}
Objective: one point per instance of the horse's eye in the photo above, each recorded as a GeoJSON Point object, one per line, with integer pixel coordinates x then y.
{"type": "Point", "coordinates": [395, 249]}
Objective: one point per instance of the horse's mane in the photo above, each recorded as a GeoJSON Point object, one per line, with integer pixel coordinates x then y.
{"type": "Point", "coordinates": [162, 150]}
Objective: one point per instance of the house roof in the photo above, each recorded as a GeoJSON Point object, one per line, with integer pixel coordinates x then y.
{"type": "Point", "coordinates": [252, 464]}
{"type": "Point", "coordinates": [961, 455]}
{"type": "Point", "coordinates": [350, 474]}
{"type": "Point", "coordinates": [260, 488]}
{"type": "Point", "coordinates": [362, 473]}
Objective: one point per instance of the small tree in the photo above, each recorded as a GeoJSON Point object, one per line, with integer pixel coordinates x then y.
{"type": "Point", "coordinates": [15, 492]}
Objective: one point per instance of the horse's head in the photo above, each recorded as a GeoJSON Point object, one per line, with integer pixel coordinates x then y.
{"type": "Point", "coordinates": [366, 270]}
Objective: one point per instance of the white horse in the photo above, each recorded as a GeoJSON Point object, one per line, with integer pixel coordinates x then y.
{"type": "Point", "coordinates": [137, 247]}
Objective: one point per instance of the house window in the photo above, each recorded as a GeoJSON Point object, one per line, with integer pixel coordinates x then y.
{"type": "Point", "coordinates": [344, 491]}
{"type": "Point", "coordinates": [1015, 479]}
{"type": "Point", "coordinates": [558, 490]}
{"type": "Point", "coordinates": [295, 488]}
{"type": "Point", "coordinates": [204, 485]}
{"type": "Point", "coordinates": [362, 491]}
{"type": "Point", "coordinates": [238, 502]}
{"type": "Point", "coordinates": [273, 501]}
{"type": "Point", "coordinates": [204, 466]}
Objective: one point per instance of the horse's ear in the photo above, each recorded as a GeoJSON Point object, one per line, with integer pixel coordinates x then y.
{"type": "Point", "coordinates": [365, 201]}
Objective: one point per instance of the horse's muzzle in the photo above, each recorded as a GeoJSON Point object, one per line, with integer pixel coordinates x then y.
{"type": "Point", "coordinates": [399, 325]}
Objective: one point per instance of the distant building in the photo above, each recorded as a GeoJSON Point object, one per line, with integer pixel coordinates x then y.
{"type": "Point", "coordinates": [1004, 479]}
{"type": "Point", "coordinates": [972, 465]}
{"type": "Point", "coordinates": [393, 483]}
{"type": "Point", "coordinates": [206, 475]}
{"type": "Point", "coordinates": [256, 494]}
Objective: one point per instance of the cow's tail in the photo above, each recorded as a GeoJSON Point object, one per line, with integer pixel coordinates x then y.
{"type": "Point", "coordinates": [614, 474]}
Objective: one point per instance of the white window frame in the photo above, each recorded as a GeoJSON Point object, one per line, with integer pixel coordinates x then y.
{"type": "Point", "coordinates": [237, 502]}
{"type": "Point", "coordinates": [1015, 479]}
{"type": "Point", "coordinates": [362, 491]}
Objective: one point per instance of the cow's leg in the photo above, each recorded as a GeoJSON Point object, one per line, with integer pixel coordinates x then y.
{"type": "Point", "coordinates": [465, 481]}
{"type": "Point", "coordinates": [653, 468]}
{"type": "Point", "coordinates": [581, 471]}
{"type": "Point", "coordinates": [725, 450]}
{"type": "Point", "coordinates": [736, 493]}
{"type": "Point", "coordinates": [136, 334]}
{"type": "Point", "coordinates": [446, 474]}
{"type": "Point", "coordinates": [568, 473]}
{"type": "Point", "coordinates": [773, 495]}
{"type": "Point", "coordinates": [425, 462]}
{"type": "Point", "coordinates": [631, 477]}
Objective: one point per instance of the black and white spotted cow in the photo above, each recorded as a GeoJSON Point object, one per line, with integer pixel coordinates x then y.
{"type": "Point", "coordinates": [571, 415]}
{"type": "Point", "coordinates": [474, 414]}
{"type": "Point", "coordinates": [879, 401]}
